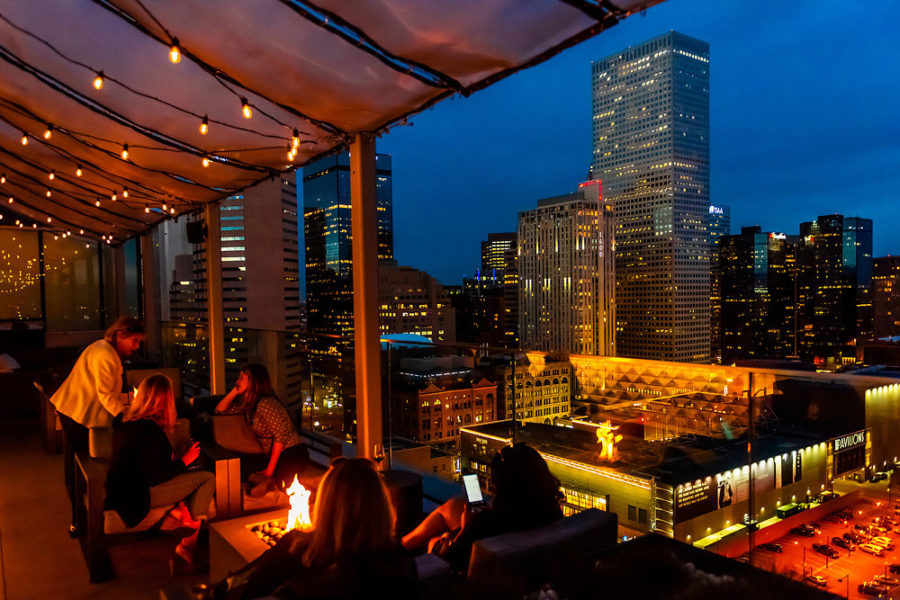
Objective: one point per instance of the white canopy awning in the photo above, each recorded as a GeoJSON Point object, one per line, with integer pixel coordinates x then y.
{"type": "Point", "coordinates": [110, 159]}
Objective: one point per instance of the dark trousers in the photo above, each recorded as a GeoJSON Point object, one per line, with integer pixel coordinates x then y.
{"type": "Point", "coordinates": [75, 439]}
{"type": "Point", "coordinates": [292, 462]}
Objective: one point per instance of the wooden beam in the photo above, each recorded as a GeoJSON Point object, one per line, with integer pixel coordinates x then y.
{"type": "Point", "coordinates": [366, 333]}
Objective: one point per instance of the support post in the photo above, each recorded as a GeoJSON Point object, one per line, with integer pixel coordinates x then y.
{"type": "Point", "coordinates": [121, 302]}
{"type": "Point", "coordinates": [151, 296]}
{"type": "Point", "coordinates": [214, 311]}
{"type": "Point", "coordinates": [367, 349]}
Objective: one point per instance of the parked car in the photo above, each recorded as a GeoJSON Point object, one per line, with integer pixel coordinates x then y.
{"type": "Point", "coordinates": [882, 541]}
{"type": "Point", "coordinates": [872, 549]}
{"type": "Point", "coordinates": [772, 547]}
{"type": "Point", "coordinates": [842, 543]}
{"type": "Point", "coordinates": [854, 537]}
{"type": "Point", "coordinates": [825, 550]}
{"type": "Point", "coordinates": [804, 532]}
{"type": "Point", "coordinates": [879, 476]}
{"type": "Point", "coordinates": [816, 580]}
{"type": "Point", "coordinates": [878, 528]}
{"type": "Point", "coordinates": [886, 580]}
{"type": "Point", "coordinates": [870, 588]}
{"type": "Point", "coordinates": [861, 527]}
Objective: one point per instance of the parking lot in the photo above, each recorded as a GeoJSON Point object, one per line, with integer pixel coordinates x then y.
{"type": "Point", "coordinates": [849, 569]}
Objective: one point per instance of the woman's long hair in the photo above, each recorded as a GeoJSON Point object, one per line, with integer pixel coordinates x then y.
{"type": "Point", "coordinates": [526, 494]}
{"type": "Point", "coordinates": [154, 400]}
{"type": "Point", "coordinates": [353, 515]}
{"type": "Point", "coordinates": [259, 385]}
{"type": "Point", "coordinates": [123, 326]}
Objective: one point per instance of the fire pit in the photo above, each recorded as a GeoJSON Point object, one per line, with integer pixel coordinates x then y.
{"type": "Point", "coordinates": [234, 543]}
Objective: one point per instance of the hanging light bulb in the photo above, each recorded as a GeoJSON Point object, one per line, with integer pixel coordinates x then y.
{"type": "Point", "coordinates": [172, 210]}
{"type": "Point", "coordinates": [3, 178]}
{"type": "Point", "coordinates": [11, 199]}
{"type": "Point", "coordinates": [55, 237]}
{"type": "Point", "coordinates": [124, 192]}
{"type": "Point", "coordinates": [124, 151]}
{"type": "Point", "coordinates": [78, 171]}
{"type": "Point", "coordinates": [295, 140]}
{"type": "Point", "coordinates": [175, 52]}
{"type": "Point", "coordinates": [97, 204]}
{"type": "Point", "coordinates": [24, 139]}
{"type": "Point", "coordinates": [34, 225]}
{"type": "Point", "coordinates": [147, 208]}
{"type": "Point", "coordinates": [48, 133]}
{"type": "Point", "coordinates": [81, 231]}
{"type": "Point", "coordinates": [205, 161]}
{"type": "Point", "coordinates": [49, 193]}
{"type": "Point", "coordinates": [51, 175]}
{"type": "Point", "coordinates": [165, 206]}
{"type": "Point", "coordinates": [114, 197]}
{"type": "Point", "coordinates": [291, 155]}
{"type": "Point", "coordinates": [204, 125]}
{"type": "Point", "coordinates": [245, 108]}
{"type": "Point", "coordinates": [98, 81]}
{"type": "Point", "coordinates": [49, 219]}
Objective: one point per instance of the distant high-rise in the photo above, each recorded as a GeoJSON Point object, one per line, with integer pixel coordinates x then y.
{"type": "Point", "coordinates": [327, 229]}
{"type": "Point", "coordinates": [651, 149]}
{"type": "Point", "coordinates": [719, 226]}
{"type": "Point", "coordinates": [567, 274]}
{"type": "Point", "coordinates": [757, 295]}
{"type": "Point", "coordinates": [500, 259]}
{"type": "Point", "coordinates": [258, 228]}
{"type": "Point", "coordinates": [414, 302]}
{"type": "Point", "coordinates": [835, 273]}
{"type": "Point", "coordinates": [886, 296]}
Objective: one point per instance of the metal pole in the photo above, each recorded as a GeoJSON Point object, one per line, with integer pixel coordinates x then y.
{"type": "Point", "coordinates": [151, 296]}
{"type": "Point", "coordinates": [214, 307]}
{"type": "Point", "coordinates": [367, 349]}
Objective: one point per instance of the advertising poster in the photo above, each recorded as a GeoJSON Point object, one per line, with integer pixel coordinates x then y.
{"type": "Point", "coordinates": [694, 499]}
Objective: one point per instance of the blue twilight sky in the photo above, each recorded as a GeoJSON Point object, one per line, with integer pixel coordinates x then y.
{"type": "Point", "coordinates": [804, 121]}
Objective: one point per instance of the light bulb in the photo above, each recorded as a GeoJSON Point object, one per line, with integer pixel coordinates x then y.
{"type": "Point", "coordinates": [34, 225]}
{"type": "Point", "coordinates": [172, 210]}
{"type": "Point", "coordinates": [204, 125]}
{"type": "Point", "coordinates": [11, 199]}
{"type": "Point", "coordinates": [49, 219]}
{"type": "Point", "coordinates": [291, 155]}
{"type": "Point", "coordinates": [3, 178]}
{"type": "Point", "coordinates": [124, 151]}
{"type": "Point", "coordinates": [165, 206]}
{"type": "Point", "coordinates": [114, 197]}
{"type": "Point", "coordinates": [24, 139]}
{"type": "Point", "coordinates": [295, 141]}
{"type": "Point", "coordinates": [49, 193]}
{"type": "Point", "coordinates": [124, 193]}
{"type": "Point", "coordinates": [78, 171]}
{"type": "Point", "coordinates": [55, 237]}
{"type": "Point", "coordinates": [81, 231]}
{"type": "Point", "coordinates": [97, 204]}
{"type": "Point", "coordinates": [51, 175]}
{"type": "Point", "coordinates": [205, 162]}
{"type": "Point", "coordinates": [175, 52]}
{"type": "Point", "coordinates": [147, 209]}
{"type": "Point", "coordinates": [245, 108]}
{"type": "Point", "coordinates": [48, 133]}
{"type": "Point", "coordinates": [98, 81]}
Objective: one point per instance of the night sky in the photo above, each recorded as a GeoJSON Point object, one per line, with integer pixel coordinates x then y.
{"type": "Point", "coordinates": [804, 121]}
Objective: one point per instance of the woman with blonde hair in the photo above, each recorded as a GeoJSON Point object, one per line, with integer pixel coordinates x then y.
{"type": "Point", "coordinates": [352, 551]}
{"type": "Point", "coordinates": [144, 472]}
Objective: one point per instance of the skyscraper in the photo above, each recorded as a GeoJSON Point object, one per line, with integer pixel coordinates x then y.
{"type": "Point", "coordinates": [719, 226]}
{"type": "Point", "coordinates": [327, 230]}
{"type": "Point", "coordinates": [886, 296]}
{"type": "Point", "coordinates": [258, 228]}
{"type": "Point", "coordinates": [651, 150]}
{"type": "Point", "coordinates": [567, 274]}
{"type": "Point", "coordinates": [499, 258]}
{"type": "Point", "coordinates": [414, 302]}
{"type": "Point", "coordinates": [835, 268]}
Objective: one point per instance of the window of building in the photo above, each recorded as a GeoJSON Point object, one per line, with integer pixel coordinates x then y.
{"type": "Point", "coordinates": [642, 516]}
{"type": "Point", "coordinates": [632, 513]}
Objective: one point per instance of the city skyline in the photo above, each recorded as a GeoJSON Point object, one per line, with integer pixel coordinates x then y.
{"type": "Point", "coordinates": [530, 137]}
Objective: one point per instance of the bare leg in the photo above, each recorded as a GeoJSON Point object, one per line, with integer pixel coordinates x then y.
{"type": "Point", "coordinates": [447, 517]}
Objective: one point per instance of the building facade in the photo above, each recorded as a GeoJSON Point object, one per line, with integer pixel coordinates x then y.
{"type": "Point", "coordinates": [413, 302]}
{"type": "Point", "coordinates": [540, 386]}
{"type": "Point", "coordinates": [886, 296]}
{"type": "Point", "coordinates": [651, 149]}
{"type": "Point", "coordinates": [500, 259]}
{"type": "Point", "coordinates": [567, 297]}
{"type": "Point", "coordinates": [719, 226]}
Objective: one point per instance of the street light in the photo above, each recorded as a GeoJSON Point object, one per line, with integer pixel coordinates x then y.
{"type": "Point", "coordinates": [847, 578]}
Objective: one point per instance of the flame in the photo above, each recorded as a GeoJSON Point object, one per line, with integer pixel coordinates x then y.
{"type": "Point", "coordinates": [607, 439]}
{"type": "Point", "coordinates": [298, 516]}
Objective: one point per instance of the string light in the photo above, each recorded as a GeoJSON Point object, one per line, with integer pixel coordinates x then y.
{"type": "Point", "coordinates": [97, 204]}
{"type": "Point", "coordinates": [11, 199]}
{"type": "Point", "coordinates": [81, 231]}
{"type": "Point", "coordinates": [204, 125]}
{"type": "Point", "coordinates": [114, 197]}
{"type": "Point", "coordinates": [205, 161]}
{"type": "Point", "coordinates": [245, 108]}
{"type": "Point", "coordinates": [51, 175]}
{"type": "Point", "coordinates": [124, 192]}
{"type": "Point", "coordinates": [48, 133]}
{"type": "Point", "coordinates": [49, 193]}
{"type": "Point", "coordinates": [147, 208]}
{"type": "Point", "coordinates": [24, 139]}
{"type": "Point", "coordinates": [49, 219]}
{"type": "Point", "coordinates": [165, 206]}
{"type": "Point", "coordinates": [172, 210]}
{"type": "Point", "coordinates": [124, 151]}
{"type": "Point", "coordinates": [3, 178]}
{"type": "Point", "coordinates": [55, 237]}
{"type": "Point", "coordinates": [98, 81]}
{"type": "Point", "coordinates": [34, 225]}
{"type": "Point", "coordinates": [295, 141]}
{"type": "Point", "coordinates": [291, 154]}
{"type": "Point", "coordinates": [175, 52]}
{"type": "Point", "coordinates": [78, 171]}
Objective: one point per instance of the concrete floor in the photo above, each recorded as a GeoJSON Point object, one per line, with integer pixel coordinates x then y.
{"type": "Point", "coordinates": [38, 559]}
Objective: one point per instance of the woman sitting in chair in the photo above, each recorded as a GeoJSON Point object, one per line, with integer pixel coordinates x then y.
{"type": "Point", "coordinates": [144, 472]}
{"type": "Point", "coordinates": [253, 396]}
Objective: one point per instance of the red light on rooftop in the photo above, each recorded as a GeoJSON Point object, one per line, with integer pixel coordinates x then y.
{"type": "Point", "coordinates": [588, 183]}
